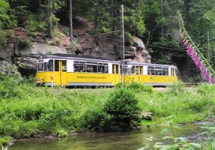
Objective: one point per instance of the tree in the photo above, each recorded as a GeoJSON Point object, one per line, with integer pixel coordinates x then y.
{"type": "Point", "coordinates": [7, 20]}
{"type": "Point", "coordinates": [50, 13]}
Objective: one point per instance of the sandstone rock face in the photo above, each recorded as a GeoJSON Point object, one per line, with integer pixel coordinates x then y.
{"type": "Point", "coordinates": [25, 57]}
{"type": "Point", "coordinates": [137, 52]}
{"type": "Point", "coordinates": [9, 69]}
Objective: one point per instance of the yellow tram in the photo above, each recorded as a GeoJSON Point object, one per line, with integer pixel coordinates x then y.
{"type": "Point", "coordinates": [76, 70]}
{"type": "Point", "coordinates": [150, 74]}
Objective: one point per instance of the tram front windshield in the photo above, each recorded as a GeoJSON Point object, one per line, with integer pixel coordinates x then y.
{"type": "Point", "coordinates": [42, 66]}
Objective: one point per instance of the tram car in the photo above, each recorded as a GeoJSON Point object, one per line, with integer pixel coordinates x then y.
{"type": "Point", "coordinates": [78, 70]}
{"type": "Point", "coordinates": [150, 74]}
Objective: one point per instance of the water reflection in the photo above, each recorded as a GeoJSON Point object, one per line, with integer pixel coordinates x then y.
{"type": "Point", "coordinates": [103, 141]}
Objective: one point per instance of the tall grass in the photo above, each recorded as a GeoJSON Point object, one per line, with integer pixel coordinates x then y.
{"type": "Point", "coordinates": [30, 111]}
{"type": "Point", "coordinates": [188, 105]}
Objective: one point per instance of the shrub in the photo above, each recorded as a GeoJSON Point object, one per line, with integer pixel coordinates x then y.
{"type": "Point", "coordinates": [122, 106]}
{"type": "Point", "coordinates": [93, 120]}
{"type": "Point", "coordinates": [135, 86]}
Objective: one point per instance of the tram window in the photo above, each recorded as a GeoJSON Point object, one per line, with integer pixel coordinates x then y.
{"type": "Point", "coordinates": [79, 66]}
{"type": "Point", "coordinates": [46, 66]}
{"type": "Point", "coordinates": [50, 65]}
{"type": "Point", "coordinates": [137, 72]}
{"type": "Point", "coordinates": [127, 70]}
{"type": "Point", "coordinates": [151, 71]}
{"type": "Point", "coordinates": [103, 68]}
{"type": "Point", "coordinates": [165, 70]}
{"type": "Point", "coordinates": [91, 67]}
{"type": "Point", "coordinates": [141, 70]}
{"type": "Point", "coordinates": [134, 70]}
{"type": "Point", "coordinates": [113, 69]}
{"type": "Point", "coordinates": [172, 72]}
{"type": "Point", "coordinates": [158, 71]}
{"type": "Point", "coordinates": [40, 67]}
{"type": "Point", "coordinates": [64, 65]}
{"type": "Point", "coordinates": [117, 69]}
{"type": "Point", "coordinates": [56, 65]}
{"type": "Point", "coordinates": [106, 69]}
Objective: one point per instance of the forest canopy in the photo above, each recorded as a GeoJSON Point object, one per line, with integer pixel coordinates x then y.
{"type": "Point", "coordinates": [153, 21]}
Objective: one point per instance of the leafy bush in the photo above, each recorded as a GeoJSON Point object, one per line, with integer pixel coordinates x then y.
{"type": "Point", "coordinates": [206, 89]}
{"type": "Point", "coordinates": [3, 39]}
{"type": "Point", "coordinates": [135, 86]}
{"type": "Point", "coordinates": [171, 142]}
{"type": "Point", "coordinates": [122, 106]}
{"type": "Point", "coordinates": [94, 119]}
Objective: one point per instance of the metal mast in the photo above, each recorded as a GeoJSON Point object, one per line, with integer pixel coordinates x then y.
{"type": "Point", "coordinates": [123, 45]}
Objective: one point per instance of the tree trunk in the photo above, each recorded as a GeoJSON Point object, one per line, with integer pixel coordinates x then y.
{"type": "Point", "coordinates": [96, 23]}
{"type": "Point", "coordinates": [49, 9]}
{"type": "Point", "coordinates": [70, 18]}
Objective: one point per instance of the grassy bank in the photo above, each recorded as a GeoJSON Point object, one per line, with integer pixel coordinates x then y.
{"type": "Point", "coordinates": [29, 111]}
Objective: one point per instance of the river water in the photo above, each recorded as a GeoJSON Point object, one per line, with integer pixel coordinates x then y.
{"type": "Point", "coordinates": [131, 140]}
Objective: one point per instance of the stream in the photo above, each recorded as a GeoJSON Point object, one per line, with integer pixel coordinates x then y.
{"type": "Point", "coordinates": [131, 140]}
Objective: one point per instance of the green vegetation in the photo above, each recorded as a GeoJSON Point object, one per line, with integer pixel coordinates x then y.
{"type": "Point", "coordinates": [174, 143]}
{"type": "Point", "coordinates": [29, 111]}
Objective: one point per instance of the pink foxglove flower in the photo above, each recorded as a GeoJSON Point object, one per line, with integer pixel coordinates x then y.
{"type": "Point", "coordinates": [187, 47]}
{"type": "Point", "coordinates": [181, 35]}
{"type": "Point", "coordinates": [185, 43]}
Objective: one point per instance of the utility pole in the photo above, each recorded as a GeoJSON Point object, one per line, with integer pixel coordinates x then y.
{"type": "Point", "coordinates": [123, 44]}
{"type": "Point", "coordinates": [50, 13]}
{"type": "Point", "coordinates": [70, 18]}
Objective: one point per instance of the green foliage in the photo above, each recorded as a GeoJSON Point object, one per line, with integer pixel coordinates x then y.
{"type": "Point", "coordinates": [7, 18]}
{"type": "Point", "coordinates": [32, 34]}
{"type": "Point", "coordinates": [29, 111]}
{"type": "Point", "coordinates": [55, 42]}
{"type": "Point", "coordinates": [205, 89]}
{"type": "Point", "coordinates": [93, 119]}
{"type": "Point", "coordinates": [4, 140]}
{"type": "Point", "coordinates": [177, 87]}
{"type": "Point", "coordinates": [135, 86]}
{"type": "Point", "coordinates": [3, 39]}
{"type": "Point", "coordinates": [62, 134]}
{"type": "Point", "coordinates": [24, 43]}
{"type": "Point", "coordinates": [174, 143]}
{"type": "Point", "coordinates": [35, 23]}
{"type": "Point", "coordinates": [161, 61]}
{"type": "Point", "coordinates": [123, 109]}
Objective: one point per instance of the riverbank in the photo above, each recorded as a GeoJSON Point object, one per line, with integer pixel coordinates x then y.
{"type": "Point", "coordinates": [27, 111]}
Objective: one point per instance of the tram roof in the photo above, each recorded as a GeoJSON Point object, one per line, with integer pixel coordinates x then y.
{"type": "Point", "coordinates": [72, 56]}
{"type": "Point", "coordinates": [148, 64]}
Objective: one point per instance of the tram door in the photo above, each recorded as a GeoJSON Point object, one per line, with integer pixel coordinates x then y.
{"type": "Point", "coordinates": [117, 73]}
{"type": "Point", "coordinates": [61, 74]}
{"type": "Point", "coordinates": [139, 73]}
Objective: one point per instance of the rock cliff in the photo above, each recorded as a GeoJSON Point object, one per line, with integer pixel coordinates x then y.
{"type": "Point", "coordinates": [23, 50]}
